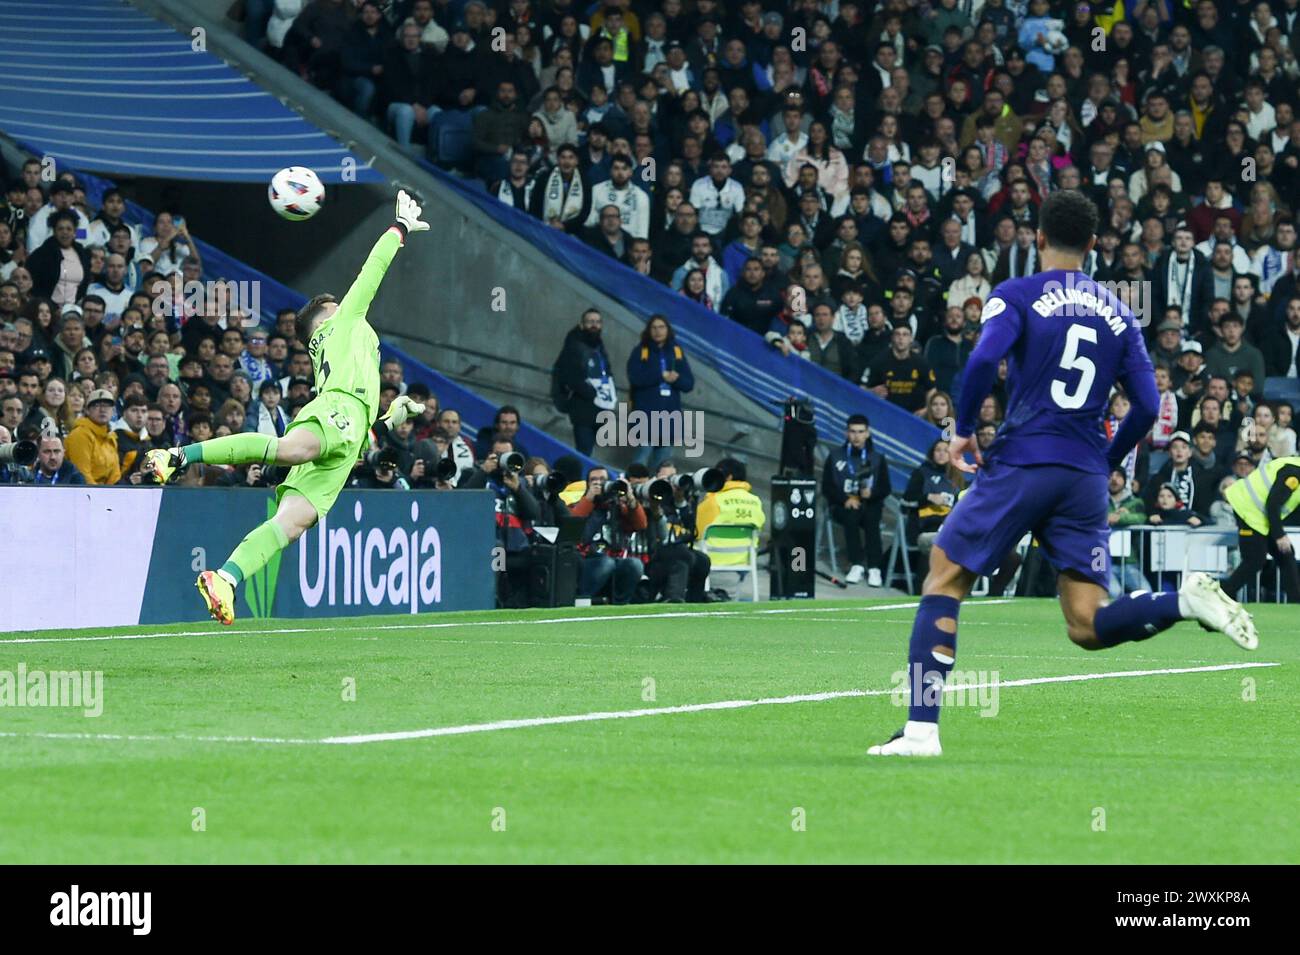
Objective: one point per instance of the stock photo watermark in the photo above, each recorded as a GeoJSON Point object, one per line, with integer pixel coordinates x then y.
{"type": "Point", "coordinates": [65, 689]}
{"type": "Point", "coordinates": [977, 689]}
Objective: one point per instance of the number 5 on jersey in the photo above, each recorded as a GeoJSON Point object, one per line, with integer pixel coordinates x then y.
{"type": "Point", "coordinates": [1071, 360]}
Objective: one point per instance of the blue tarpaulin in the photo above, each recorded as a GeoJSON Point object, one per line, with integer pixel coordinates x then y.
{"type": "Point", "coordinates": [99, 85]}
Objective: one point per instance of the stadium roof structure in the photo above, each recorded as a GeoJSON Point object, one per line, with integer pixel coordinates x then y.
{"type": "Point", "coordinates": [101, 86]}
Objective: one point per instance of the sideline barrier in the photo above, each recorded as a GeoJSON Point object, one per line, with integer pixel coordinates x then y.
{"type": "Point", "coordinates": [100, 557]}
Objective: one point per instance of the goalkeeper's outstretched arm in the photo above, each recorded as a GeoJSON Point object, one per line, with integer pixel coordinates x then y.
{"type": "Point", "coordinates": [400, 411]}
{"type": "Point", "coordinates": [357, 301]}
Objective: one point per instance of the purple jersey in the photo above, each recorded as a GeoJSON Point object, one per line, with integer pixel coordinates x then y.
{"type": "Point", "coordinates": [1067, 341]}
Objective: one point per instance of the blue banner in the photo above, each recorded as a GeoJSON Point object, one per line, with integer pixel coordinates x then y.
{"type": "Point", "coordinates": [376, 552]}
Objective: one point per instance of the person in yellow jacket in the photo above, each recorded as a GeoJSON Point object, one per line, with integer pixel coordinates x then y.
{"type": "Point", "coordinates": [1263, 501]}
{"type": "Point", "coordinates": [91, 446]}
{"type": "Point", "coordinates": [735, 503]}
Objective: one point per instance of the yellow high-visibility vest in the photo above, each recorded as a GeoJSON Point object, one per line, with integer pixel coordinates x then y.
{"type": "Point", "coordinates": [1249, 495]}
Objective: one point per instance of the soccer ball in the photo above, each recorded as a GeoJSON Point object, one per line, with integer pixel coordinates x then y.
{"type": "Point", "coordinates": [296, 193]}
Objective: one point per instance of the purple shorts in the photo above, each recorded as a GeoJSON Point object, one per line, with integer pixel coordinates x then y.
{"type": "Point", "coordinates": [1065, 509]}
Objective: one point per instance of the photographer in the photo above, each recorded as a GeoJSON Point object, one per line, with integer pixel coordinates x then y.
{"type": "Point", "coordinates": [674, 571]}
{"type": "Point", "coordinates": [379, 472]}
{"type": "Point", "coordinates": [444, 458]}
{"type": "Point", "coordinates": [856, 482]}
{"type": "Point", "coordinates": [501, 472]}
{"type": "Point", "coordinates": [51, 468]}
{"type": "Point", "coordinates": [612, 516]}
{"type": "Point", "coordinates": [546, 486]}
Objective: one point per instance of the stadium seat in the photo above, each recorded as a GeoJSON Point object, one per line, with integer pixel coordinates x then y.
{"type": "Point", "coordinates": [452, 139]}
{"type": "Point", "coordinates": [900, 552]}
{"type": "Point", "coordinates": [733, 548]}
{"type": "Point", "coordinates": [1282, 389]}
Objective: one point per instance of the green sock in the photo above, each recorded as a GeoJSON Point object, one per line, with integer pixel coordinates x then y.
{"type": "Point", "coordinates": [249, 448]}
{"type": "Point", "coordinates": [254, 551]}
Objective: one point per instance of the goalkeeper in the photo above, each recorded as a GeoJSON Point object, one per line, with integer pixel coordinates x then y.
{"type": "Point", "coordinates": [328, 434]}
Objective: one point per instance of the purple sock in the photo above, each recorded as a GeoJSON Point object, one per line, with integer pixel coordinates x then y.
{"type": "Point", "coordinates": [926, 671]}
{"type": "Point", "coordinates": [1136, 616]}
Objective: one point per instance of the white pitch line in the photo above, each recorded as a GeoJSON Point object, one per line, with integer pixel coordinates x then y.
{"type": "Point", "coordinates": [591, 618]}
{"type": "Point", "coordinates": [602, 715]}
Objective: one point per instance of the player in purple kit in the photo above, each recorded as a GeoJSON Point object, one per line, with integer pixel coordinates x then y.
{"type": "Point", "coordinates": [1068, 341]}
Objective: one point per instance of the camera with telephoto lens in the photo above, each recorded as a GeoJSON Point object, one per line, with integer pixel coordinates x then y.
{"type": "Point", "coordinates": [614, 491]}
{"type": "Point", "coordinates": [385, 459]}
{"type": "Point", "coordinates": [657, 491]}
{"type": "Point", "coordinates": [681, 482]}
{"type": "Point", "coordinates": [549, 484]}
{"type": "Point", "coordinates": [708, 480]}
{"type": "Point", "coordinates": [21, 453]}
{"type": "Point", "coordinates": [446, 469]}
{"type": "Point", "coordinates": [512, 461]}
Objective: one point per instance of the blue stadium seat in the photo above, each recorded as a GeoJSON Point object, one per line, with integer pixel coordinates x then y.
{"type": "Point", "coordinates": [451, 139]}
{"type": "Point", "coordinates": [1282, 389]}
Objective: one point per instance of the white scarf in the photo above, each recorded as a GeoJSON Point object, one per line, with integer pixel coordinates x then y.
{"type": "Point", "coordinates": [1183, 297]}
{"type": "Point", "coordinates": [561, 202]}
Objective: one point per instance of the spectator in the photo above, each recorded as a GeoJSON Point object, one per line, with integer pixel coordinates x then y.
{"type": "Point", "coordinates": [713, 286]}
{"type": "Point", "coordinates": [313, 45]}
{"type": "Point", "coordinates": [562, 198]}
{"type": "Point", "coordinates": [752, 302]}
{"type": "Point", "coordinates": [658, 375]}
{"type": "Point", "coordinates": [930, 496]}
{"type": "Point", "coordinates": [505, 424]}
{"type": "Point", "coordinates": [584, 384]}
{"type": "Point", "coordinates": [92, 446]}
{"type": "Point", "coordinates": [496, 130]}
{"type": "Point", "coordinates": [946, 354]}
{"type": "Point", "coordinates": [855, 480]}
{"type": "Point", "coordinates": [717, 197]}
{"type": "Point", "coordinates": [609, 236]}
{"type": "Point", "coordinates": [1192, 485]}
{"type": "Point", "coordinates": [411, 79]}
{"type": "Point", "coordinates": [52, 468]}
{"type": "Point", "coordinates": [899, 376]}
{"type": "Point", "coordinates": [1124, 509]}
{"type": "Point", "coordinates": [829, 348]}
{"type": "Point", "coordinates": [362, 57]}
{"type": "Point", "coordinates": [1281, 344]}
{"type": "Point", "coordinates": [267, 416]}
{"type": "Point", "coordinates": [132, 437]}
{"type": "Point", "coordinates": [1233, 353]}
{"type": "Point", "coordinates": [60, 266]}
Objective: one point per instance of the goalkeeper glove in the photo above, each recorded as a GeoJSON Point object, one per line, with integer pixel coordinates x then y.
{"type": "Point", "coordinates": [402, 410]}
{"type": "Point", "coordinates": [408, 213]}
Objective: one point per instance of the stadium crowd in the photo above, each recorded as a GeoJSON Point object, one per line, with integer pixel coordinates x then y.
{"type": "Point", "coordinates": [848, 180]}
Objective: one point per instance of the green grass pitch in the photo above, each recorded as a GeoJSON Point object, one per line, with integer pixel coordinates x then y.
{"type": "Point", "coordinates": [1193, 767]}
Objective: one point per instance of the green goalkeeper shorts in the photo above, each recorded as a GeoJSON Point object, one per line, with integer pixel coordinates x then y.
{"type": "Point", "coordinates": [339, 421]}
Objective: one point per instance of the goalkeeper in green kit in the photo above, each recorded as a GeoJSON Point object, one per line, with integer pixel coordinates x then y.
{"type": "Point", "coordinates": [327, 436]}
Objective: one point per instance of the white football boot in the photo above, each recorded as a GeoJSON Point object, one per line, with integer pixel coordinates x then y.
{"type": "Point", "coordinates": [914, 739]}
{"type": "Point", "coordinates": [1200, 598]}
{"type": "Point", "coordinates": [854, 576]}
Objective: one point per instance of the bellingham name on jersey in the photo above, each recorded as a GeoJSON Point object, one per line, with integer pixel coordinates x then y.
{"type": "Point", "coordinates": [1067, 340]}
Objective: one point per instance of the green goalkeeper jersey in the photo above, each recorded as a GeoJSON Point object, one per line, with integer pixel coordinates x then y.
{"type": "Point", "coordinates": [345, 349]}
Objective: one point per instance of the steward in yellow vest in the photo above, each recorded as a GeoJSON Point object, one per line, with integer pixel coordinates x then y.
{"type": "Point", "coordinates": [1263, 501]}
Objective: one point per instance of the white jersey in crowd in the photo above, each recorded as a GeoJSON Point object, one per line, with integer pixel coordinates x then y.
{"type": "Point", "coordinates": [716, 205]}
{"type": "Point", "coordinates": [115, 303]}
{"type": "Point", "coordinates": [38, 229]}
{"type": "Point", "coordinates": [1240, 259]}
{"type": "Point", "coordinates": [633, 205]}
{"type": "Point", "coordinates": [99, 233]}
{"type": "Point", "coordinates": [782, 149]}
